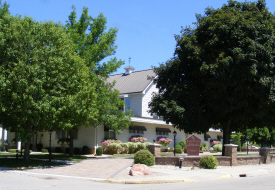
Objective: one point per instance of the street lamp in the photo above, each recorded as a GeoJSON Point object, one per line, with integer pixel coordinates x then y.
{"type": "Point", "coordinates": [50, 149]}
{"type": "Point", "coordinates": [174, 134]}
{"type": "Point", "coordinates": [247, 137]}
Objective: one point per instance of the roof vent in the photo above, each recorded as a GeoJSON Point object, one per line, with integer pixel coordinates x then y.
{"type": "Point", "coordinates": [128, 70]}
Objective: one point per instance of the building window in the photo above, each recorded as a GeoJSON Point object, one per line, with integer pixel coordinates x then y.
{"type": "Point", "coordinates": [61, 134]}
{"type": "Point", "coordinates": [206, 137]}
{"type": "Point", "coordinates": [137, 130]}
{"type": "Point", "coordinates": [163, 131]}
{"type": "Point", "coordinates": [109, 134]}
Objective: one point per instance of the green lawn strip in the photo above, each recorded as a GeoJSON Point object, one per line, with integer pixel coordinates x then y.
{"type": "Point", "coordinates": [122, 155]}
{"type": "Point", "coordinates": [59, 156]}
{"type": "Point", "coordinates": [254, 154]}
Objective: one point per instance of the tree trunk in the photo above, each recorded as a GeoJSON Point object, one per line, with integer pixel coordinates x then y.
{"type": "Point", "coordinates": [71, 152]}
{"type": "Point", "coordinates": [226, 134]}
{"type": "Point", "coordinates": [27, 151]}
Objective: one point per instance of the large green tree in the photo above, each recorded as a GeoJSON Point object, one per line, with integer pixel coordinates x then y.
{"type": "Point", "coordinates": [95, 45]}
{"type": "Point", "coordinates": [44, 84]}
{"type": "Point", "coordinates": [222, 73]}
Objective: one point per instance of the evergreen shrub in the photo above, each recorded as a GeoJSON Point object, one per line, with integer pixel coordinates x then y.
{"type": "Point", "coordinates": [144, 157]}
{"type": "Point", "coordinates": [208, 162]}
{"type": "Point", "coordinates": [99, 151]}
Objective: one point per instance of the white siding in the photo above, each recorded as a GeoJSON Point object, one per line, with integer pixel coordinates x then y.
{"type": "Point", "coordinates": [136, 104]}
{"type": "Point", "coordinates": [147, 97]}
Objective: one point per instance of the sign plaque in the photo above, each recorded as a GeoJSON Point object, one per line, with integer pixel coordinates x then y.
{"type": "Point", "coordinates": [193, 144]}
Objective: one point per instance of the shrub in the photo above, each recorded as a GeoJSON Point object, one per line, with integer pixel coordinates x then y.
{"type": "Point", "coordinates": [44, 150]}
{"type": "Point", "coordinates": [124, 148]}
{"type": "Point", "coordinates": [204, 146]}
{"type": "Point", "coordinates": [12, 150]}
{"type": "Point", "coordinates": [144, 157]}
{"type": "Point", "coordinates": [85, 150]}
{"type": "Point", "coordinates": [76, 151]}
{"type": "Point", "coordinates": [201, 151]}
{"type": "Point", "coordinates": [178, 146]}
{"type": "Point", "coordinates": [132, 147]}
{"type": "Point", "coordinates": [23, 150]}
{"type": "Point", "coordinates": [138, 139]}
{"type": "Point", "coordinates": [178, 150]}
{"type": "Point", "coordinates": [218, 147]}
{"type": "Point", "coordinates": [182, 144]}
{"type": "Point", "coordinates": [141, 146]}
{"type": "Point", "coordinates": [213, 151]}
{"type": "Point", "coordinates": [114, 148]}
{"type": "Point", "coordinates": [164, 141]}
{"type": "Point", "coordinates": [58, 150]}
{"type": "Point", "coordinates": [99, 151]}
{"type": "Point", "coordinates": [208, 162]}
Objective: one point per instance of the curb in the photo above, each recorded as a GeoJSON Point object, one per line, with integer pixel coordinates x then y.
{"type": "Point", "coordinates": [149, 181]}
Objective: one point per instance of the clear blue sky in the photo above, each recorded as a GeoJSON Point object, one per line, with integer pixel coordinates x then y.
{"type": "Point", "coordinates": [146, 27]}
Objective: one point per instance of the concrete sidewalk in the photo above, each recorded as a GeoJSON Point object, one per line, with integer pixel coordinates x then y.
{"type": "Point", "coordinates": [172, 174]}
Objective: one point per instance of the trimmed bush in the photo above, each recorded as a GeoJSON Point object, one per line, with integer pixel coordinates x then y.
{"type": "Point", "coordinates": [182, 144]}
{"type": "Point", "coordinates": [23, 150]}
{"type": "Point", "coordinates": [76, 151]}
{"type": "Point", "coordinates": [124, 148]}
{"type": "Point", "coordinates": [12, 150]}
{"type": "Point", "coordinates": [218, 147]}
{"type": "Point", "coordinates": [57, 150]}
{"type": "Point", "coordinates": [114, 148]}
{"type": "Point", "coordinates": [144, 157]}
{"type": "Point", "coordinates": [44, 150]}
{"type": "Point", "coordinates": [99, 151]}
{"type": "Point", "coordinates": [204, 146]}
{"type": "Point", "coordinates": [213, 151]}
{"type": "Point", "coordinates": [178, 146]}
{"type": "Point", "coordinates": [208, 162]}
{"type": "Point", "coordinates": [85, 150]}
{"type": "Point", "coordinates": [178, 150]}
{"type": "Point", "coordinates": [132, 147]}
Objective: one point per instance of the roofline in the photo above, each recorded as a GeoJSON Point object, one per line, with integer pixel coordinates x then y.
{"type": "Point", "coordinates": [143, 92]}
{"type": "Point", "coordinates": [132, 72]}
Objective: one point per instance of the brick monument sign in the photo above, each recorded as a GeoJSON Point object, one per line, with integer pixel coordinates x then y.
{"type": "Point", "coordinates": [193, 144]}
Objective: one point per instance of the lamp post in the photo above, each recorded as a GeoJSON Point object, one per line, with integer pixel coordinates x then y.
{"type": "Point", "coordinates": [247, 137]}
{"type": "Point", "coordinates": [50, 149]}
{"type": "Point", "coordinates": [174, 134]}
{"type": "Point", "coordinates": [230, 141]}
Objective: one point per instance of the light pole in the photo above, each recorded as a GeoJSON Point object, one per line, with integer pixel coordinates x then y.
{"type": "Point", "coordinates": [247, 137]}
{"type": "Point", "coordinates": [50, 149]}
{"type": "Point", "coordinates": [174, 134]}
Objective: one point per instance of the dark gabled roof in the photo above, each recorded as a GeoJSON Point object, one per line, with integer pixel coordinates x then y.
{"type": "Point", "coordinates": [132, 83]}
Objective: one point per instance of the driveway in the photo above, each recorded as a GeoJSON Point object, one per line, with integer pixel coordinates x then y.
{"type": "Point", "coordinates": [90, 168]}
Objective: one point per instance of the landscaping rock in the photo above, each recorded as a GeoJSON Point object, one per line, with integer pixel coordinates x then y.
{"type": "Point", "coordinates": [140, 169]}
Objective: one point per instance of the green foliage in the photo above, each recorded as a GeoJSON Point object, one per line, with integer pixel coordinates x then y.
{"type": "Point", "coordinates": [132, 147]}
{"type": "Point", "coordinates": [208, 162]}
{"type": "Point", "coordinates": [182, 144]}
{"type": "Point", "coordinates": [124, 148]}
{"type": "Point", "coordinates": [144, 157]}
{"type": "Point", "coordinates": [43, 81]}
{"type": "Point", "coordinates": [44, 150]}
{"type": "Point", "coordinates": [12, 150]}
{"type": "Point", "coordinates": [85, 150]}
{"type": "Point", "coordinates": [204, 146]}
{"type": "Point", "coordinates": [114, 148]}
{"type": "Point", "coordinates": [178, 146]}
{"type": "Point", "coordinates": [99, 151]}
{"type": "Point", "coordinates": [218, 147]}
{"type": "Point", "coordinates": [236, 140]}
{"type": "Point", "coordinates": [220, 68]}
{"type": "Point", "coordinates": [178, 150]}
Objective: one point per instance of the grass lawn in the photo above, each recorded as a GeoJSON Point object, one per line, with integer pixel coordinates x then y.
{"type": "Point", "coordinates": [9, 160]}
